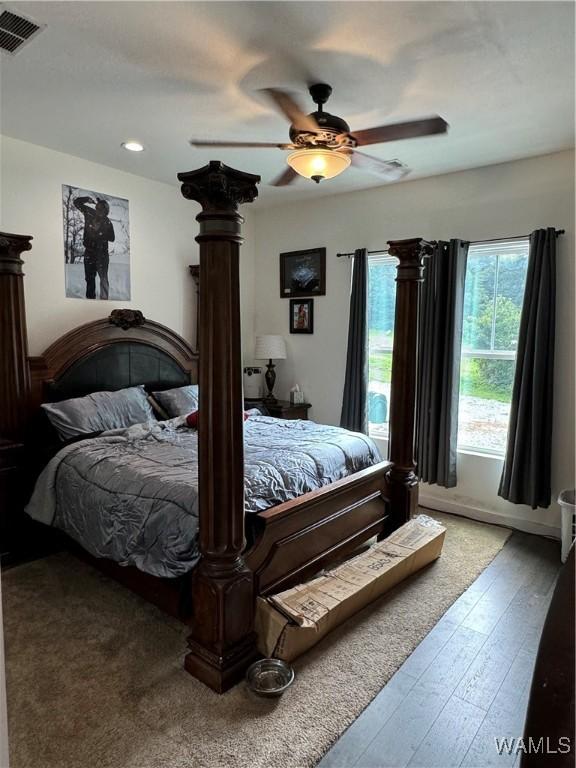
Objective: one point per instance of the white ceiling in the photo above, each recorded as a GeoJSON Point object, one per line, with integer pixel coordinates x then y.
{"type": "Point", "coordinates": [501, 73]}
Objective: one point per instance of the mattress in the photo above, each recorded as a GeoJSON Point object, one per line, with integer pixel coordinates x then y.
{"type": "Point", "coordinates": [131, 495]}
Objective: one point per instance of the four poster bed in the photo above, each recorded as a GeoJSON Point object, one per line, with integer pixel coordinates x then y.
{"type": "Point", "coordinates": [288, 541]}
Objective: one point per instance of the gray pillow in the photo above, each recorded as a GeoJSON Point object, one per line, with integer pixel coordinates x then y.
{"type": "Point", "coordinates": [179, 401]}
{"type": "Point", "coordinates": [99, 411]}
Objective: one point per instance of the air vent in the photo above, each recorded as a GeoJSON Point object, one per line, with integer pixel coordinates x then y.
{"type": "Point", "coordinates": [16, 30]}
{"type": "Point", "coordinates": [395, 170]}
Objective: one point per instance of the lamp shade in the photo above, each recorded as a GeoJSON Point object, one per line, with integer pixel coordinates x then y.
{"type": "Point", "coordinates": [317, 163]}
{"type": "Point", "coordinates": [270, 348]}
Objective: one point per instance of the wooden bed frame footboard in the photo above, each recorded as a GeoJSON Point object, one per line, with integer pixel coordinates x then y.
{"type": "Point", "coordinates": [293, 539]}
{"type": "Point", "coordinates": [298, 537]}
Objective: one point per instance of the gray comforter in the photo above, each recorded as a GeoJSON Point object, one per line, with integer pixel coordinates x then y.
{"type": "Point", "coordinates": [132, 495]}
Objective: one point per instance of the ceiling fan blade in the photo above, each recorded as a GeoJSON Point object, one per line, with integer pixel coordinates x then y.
{"type": "Point", "coordinates": [286, 177]}
{"type": "Point", "coordinates": [290, 109]}
{"type": "Point", "coordinates": [200, 143]}
{"type": "Point", "coordinates": [390, 170]}
{"type": "Point", "coordinates": [411, 129]}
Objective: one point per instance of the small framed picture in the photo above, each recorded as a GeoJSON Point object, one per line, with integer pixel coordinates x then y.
{"type": "Point", "coordinates": [303, 273]}
{"type": "Point", "coordinates": [302, 316]}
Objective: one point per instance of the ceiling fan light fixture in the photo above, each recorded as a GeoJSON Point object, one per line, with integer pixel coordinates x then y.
{"type": "Point", "coordinates": [318, 164]}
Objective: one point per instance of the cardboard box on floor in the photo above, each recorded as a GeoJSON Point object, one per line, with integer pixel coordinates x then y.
{"type": "Point", "coordinates": [291, 622]}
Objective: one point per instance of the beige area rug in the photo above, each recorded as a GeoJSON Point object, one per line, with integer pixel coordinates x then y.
{"type": "Point", "coordinates": [95, 675]}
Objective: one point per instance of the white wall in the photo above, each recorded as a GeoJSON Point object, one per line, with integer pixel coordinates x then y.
{"type": "Point", "coordinates": [496, 201]}
{"type": "Point", "coordinates": [162, 230]}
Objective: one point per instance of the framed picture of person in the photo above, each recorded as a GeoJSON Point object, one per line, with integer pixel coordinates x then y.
{"type": "Point", "coordinates": [303, 273]}
{"type": "Point", "coordinates": [96, 245]}
{"type": "Point", "coordinates": [302, 316]}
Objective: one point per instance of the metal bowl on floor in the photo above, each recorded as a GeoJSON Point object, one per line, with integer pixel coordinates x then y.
{"type": "Point", "coordinates": [269, 677]}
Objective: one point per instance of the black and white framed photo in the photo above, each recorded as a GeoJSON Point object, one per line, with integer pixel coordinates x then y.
{"type": "Point", "coordinates": [96, 245]}
{"type": "Point", "coordinates": [302, 316]}
{"type": "Point", "coordinates": [303, 273]}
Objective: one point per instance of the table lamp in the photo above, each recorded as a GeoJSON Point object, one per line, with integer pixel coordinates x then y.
{"type": "Point", "coordinates": [270, 348]}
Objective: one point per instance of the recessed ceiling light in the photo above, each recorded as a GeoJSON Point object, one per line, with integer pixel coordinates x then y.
{"type": "Point", "coordinates": [133, 146]}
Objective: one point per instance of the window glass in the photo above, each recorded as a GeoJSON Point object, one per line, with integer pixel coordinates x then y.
{"type": "Point", "coordinates": [494, 290]}
{"type": "Point", "coordinates": [381, 306]}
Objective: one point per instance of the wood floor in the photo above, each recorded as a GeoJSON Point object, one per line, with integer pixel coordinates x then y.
{"type": "Point", "coordinates": [468, 681]}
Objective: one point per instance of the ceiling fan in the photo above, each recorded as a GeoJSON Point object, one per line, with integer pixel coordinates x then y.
{"type": "Point", "coordinates": [322, 144]}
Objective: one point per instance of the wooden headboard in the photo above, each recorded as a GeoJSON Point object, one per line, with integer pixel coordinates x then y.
{"type": "Point", "coordinates": [119, 351]}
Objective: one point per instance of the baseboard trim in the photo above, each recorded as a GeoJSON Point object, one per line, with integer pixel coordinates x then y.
{"type": "Point", "coordinates": [487, 516]}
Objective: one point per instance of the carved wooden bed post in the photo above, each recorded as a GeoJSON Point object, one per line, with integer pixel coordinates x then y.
{"type": "Point", "coordinates": [195, 272]}
{"type": "Point", "coordinates": [14, 369]}
{"type": "Point", "coordinates": [402, 480]}
{"type": "Point", "coordinates": [222, 642]}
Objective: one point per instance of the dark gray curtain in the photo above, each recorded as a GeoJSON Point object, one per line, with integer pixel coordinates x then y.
{"type": "Point", "coordinates": [440, 341]}
{"type": "Point", "coordinates": [526, 474]}
{"type": "Point", "coordinates": [354, 415]}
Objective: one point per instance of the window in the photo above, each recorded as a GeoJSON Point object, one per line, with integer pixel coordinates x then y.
{"type": "Point", "coordinates": [494, 290]}
{"type": "Point", "coordinates": [381, 305]}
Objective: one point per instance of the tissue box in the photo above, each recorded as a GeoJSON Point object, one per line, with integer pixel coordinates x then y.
{"type": "Point", "coordinates": [296, 398]}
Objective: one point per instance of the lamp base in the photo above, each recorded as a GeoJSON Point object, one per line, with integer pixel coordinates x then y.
{"type": "Point", "coordinates": [270, 377]}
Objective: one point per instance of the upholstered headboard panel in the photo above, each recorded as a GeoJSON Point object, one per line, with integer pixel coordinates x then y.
{"type": "Point", "coordinates": [119, 365]}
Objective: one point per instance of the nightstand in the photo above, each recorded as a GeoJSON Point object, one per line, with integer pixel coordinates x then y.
{"type": "Point", "coordinates": [21, 538]}
{"type": "Point", "coordinates": [283, 409]}
{"type": "Point", "coordinates": [11, 495]}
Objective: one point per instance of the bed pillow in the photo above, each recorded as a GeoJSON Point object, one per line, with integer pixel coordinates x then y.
{"type": "Point", "coordinates": [98, 412]}
{"type": "Point", "coordinates": [179, 401]}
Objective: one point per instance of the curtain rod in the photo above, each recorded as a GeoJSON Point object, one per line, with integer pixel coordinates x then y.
{"type": "Point", "coordinates": [473, 242]}
{"type": "Point", "coordinates": [370, 253]}
{"type": "Point", "coordinates": [516, 237]}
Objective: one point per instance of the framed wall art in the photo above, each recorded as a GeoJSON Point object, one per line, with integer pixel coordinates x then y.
{"type": "Point", "coordinates": [302, 316]}
{"type": "Point", "coordinates": [96, 245]}
{"type": "Point", "coordinates": [303, 273]}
